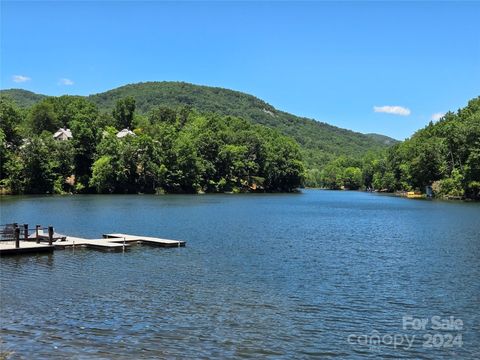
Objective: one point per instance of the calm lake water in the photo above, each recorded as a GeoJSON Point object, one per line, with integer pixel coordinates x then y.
{"type": "Point", "coordinates": [320, 274]}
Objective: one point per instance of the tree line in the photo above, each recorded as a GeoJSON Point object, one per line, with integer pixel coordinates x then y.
{"type": "Point", "coordinates": [444, 155]}
{"type": "Point", "coordinates": [181, 150]}
{"type": "Point", "coordinates": [319, 142]}
{"type": "Point", "coordinates": [172, 151]}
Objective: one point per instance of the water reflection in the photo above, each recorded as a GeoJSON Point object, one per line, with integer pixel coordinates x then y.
{"type": "Point", "coordinates": [274, 276]}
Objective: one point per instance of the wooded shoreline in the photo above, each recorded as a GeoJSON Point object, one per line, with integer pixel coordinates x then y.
{"type": "Point", "coordinates": [67, 145]}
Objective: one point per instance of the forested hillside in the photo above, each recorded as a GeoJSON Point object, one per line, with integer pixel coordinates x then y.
{"type": "Point", "coordinates": [319, 142]}
{"type": "Point", "coordinates": [174, 151]}
{"type": "Point", "coordinates": [22, 98]}
{"type": "Point", "coordinates": [193, 138]}
{"type": "Point", "coordinates": [444, 155]}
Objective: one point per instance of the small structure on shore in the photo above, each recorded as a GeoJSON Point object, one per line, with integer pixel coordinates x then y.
{"type": "Point", "coordinates": [63, 134]}
{"type": "Point", "coordinates": [125, 132]}
{"type": "Point", "coordinates": [429, 191]}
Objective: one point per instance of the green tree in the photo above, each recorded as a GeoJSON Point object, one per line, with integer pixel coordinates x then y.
{"type": "Point", "coordinates": [187, 169]}
{"type": "Point", "coordinates": [162, 114]}
{"type": "Point", "coordinates": [313, 178]}
{"type": "Point", "coordinates": [62, 161]}
{"type": "Point", "coordinates": [123, 112]}
{"type": "Point", "coordinates": [5, 155]}
{"type": "Point", "coordinates": [104, 175]}
{"type": "Point", "coordinates": [283, 170]}
{"type": "Point", "coordinates": [472, 173]}
{"type": "Point", "coordinates": [104, 120]}
{"type": "Point", "coordinates": [108, 175]}
{"type": "Point", "coordinates": [42, 118]}
{"type": "Point", "coordinates": [428, 163]}
{"type": "Point", "coordinates": [10, 120]}
{"type": "Point", "coordinates": [332, 177]}
{"type": "Point", "coordinates": [384, 181]}
{"type": "Point", "coordinates": [84, 141]}
{"type": "Point", "coordinates": [151, 172]}
{"type": "Point", "coordinates": [67, 108]}
{"type": "Point", "coordinates": [32, 171]}
{"type": "Point", "coordinates": [352, 178]}
{"type": "Point", "coordinates": [234, 166]}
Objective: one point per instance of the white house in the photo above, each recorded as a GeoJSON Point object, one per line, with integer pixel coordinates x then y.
{"type": "Point", "coordinates": [63, 134]}
{"type": "Point", "coordinates": [125, 132]}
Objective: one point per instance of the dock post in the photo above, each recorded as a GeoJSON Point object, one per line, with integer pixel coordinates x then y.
{"type": "Point", "coordinates": [17, 237]}
{"type": "Point", "coordinates": [50, 235]}
{"type": "Point", "coordinates": [25, 232]}
{"type": "Point", "coordinates": [37, 227]}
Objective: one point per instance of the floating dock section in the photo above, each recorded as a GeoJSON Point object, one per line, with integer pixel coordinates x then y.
{"type": "Point", "coordinates": [40, 241]}
{"type": "Point", "coordinates": [25, 247]}
{"type": "Point", "coordinates": [99, 244]}
{"type": "Point", "coordinates": [143, 240]}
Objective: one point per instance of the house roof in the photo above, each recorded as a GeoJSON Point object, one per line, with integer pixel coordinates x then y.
{"type": "Point", "coordinates": [62, 131]}
{"type": "Point", "coordinates": [125, 132]}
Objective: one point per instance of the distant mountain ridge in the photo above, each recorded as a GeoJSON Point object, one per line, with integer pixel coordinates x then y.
{"type": "Point", "coordinates": [382, 138]}
{"type": "Point", "coordinates": [320, 142]}
{"type": "Point", "coordinates": [23, 98]}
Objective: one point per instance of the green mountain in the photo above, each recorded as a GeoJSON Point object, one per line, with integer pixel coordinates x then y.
{"type": "Point", "coordinates": [320, 142]}
{"type": "Point", "coordinates": [23, 98]}
{"type": "Point", "coordinates": [386, 140]}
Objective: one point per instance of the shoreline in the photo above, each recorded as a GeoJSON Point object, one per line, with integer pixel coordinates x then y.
{"type": "Point", "coordinates": [401, 194]}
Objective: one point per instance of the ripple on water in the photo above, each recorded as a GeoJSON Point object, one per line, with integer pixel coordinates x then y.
{"type": "Point", "coordinates": [268, 276]}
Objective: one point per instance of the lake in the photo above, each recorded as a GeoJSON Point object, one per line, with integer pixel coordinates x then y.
{"type": "Point", "coordinates": [319, 274]}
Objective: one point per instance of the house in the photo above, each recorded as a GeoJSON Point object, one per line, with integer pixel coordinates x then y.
{"type": "Point", "coordinates": [125, 132]}
{"type": "Point", "coordinates": [63, 134]}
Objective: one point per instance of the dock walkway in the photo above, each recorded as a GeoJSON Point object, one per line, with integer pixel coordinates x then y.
{"type": "Point", "coordinates": [101, 244]}
{"type": "Point", "coordinates": [41, 242]}
{"type": "Point", "coordinates": [26, 247]}
{"type": "Point", "coordinates": [144, 239]}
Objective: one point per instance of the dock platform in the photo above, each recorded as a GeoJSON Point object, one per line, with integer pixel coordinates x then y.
{"type": "Point", "coordinates": [144, 240]}
{"type": "Point", "coordinates": [12, 242]}
{"type": "Point", "coordinates": [100, 244]}
{"type": "Point", "coordinates": [26, 247]}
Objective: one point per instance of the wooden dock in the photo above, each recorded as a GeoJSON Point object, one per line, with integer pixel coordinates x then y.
{"type": "Point", "coordinates": [144, 240]}
{"type": "Point", "coordinates": [25, 247]}
{"type": "Point", "coordinates": [99, 244]}
{"type": "Point", "coordinates": [42, 241]}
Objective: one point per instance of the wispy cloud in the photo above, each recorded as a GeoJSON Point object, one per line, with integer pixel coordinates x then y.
{"type": "Point", "coordinates": [437, 116]}
{"type": "Point", "coordinates": [65, 81]}
{"type": "Point", "coordinates": [394, 110]}
{"type": "Point", "coordinates": [20, 78]}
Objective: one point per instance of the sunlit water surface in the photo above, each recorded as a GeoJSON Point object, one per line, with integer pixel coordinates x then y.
{"type": "Point", "coordinates": [262, 276]}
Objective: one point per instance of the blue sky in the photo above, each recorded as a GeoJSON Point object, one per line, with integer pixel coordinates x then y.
{"type": "Point", "coordinates": [381, 67]}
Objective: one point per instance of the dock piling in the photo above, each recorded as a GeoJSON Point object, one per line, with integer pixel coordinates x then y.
{"type": "Point", "coordinates": [25, 232]}
{"type": "Point", "coordinates": [50, 235]}
{"type": "Point", "coordinates": [37, 227]}
{"type": "Point", "coordinates": [17, 237]}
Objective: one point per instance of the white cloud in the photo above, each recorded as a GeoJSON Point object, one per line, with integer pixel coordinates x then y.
{"type": "Point", "coordinates": [20, 78]}
{"type": "Point", "coordinates": [437, 116]}
{"type": "Point", "coordinates": [65, 81]}
{"type": "Point", "coordinates": [395, 110]}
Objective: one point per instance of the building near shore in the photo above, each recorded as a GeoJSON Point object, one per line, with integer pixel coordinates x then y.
{"type": "Point", "coordinates": [63, 134]}
{"type": "Point", "coordinates": [125, 132]}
